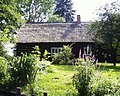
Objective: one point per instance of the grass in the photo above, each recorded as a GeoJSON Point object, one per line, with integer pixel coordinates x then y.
{"type": "Point", "coordinates": [109, 70]}
{"type": "Point", "coordinates": [58, 80]}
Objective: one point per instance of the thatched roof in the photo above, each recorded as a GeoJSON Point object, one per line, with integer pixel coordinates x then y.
{"type": "Point", "coordinates": [53, 32]}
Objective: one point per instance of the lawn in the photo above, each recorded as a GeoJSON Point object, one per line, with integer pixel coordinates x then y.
{"type": "Point", "coordinates": [58, 80]}
{"type": "Point", "coordinates": [109, 70]}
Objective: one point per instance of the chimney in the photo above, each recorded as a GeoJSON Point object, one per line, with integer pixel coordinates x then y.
{"type": "Point", "coordinates": [78, 19]}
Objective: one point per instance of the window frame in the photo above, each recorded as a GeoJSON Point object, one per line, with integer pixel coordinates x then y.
{"type": "Point", "coordinates": [56, 50]}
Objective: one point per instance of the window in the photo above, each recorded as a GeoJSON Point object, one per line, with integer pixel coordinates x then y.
{"type": "Point", "coordinates": [55, 50]}
{"type": "Point", "coordinates": [87, 50]}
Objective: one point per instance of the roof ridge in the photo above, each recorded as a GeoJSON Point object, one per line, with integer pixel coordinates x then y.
{"type": "Point", "coordinates": [55, 22]}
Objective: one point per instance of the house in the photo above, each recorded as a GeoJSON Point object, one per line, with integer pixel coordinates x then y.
{"type": "Point", "coordinates": [52, 37]}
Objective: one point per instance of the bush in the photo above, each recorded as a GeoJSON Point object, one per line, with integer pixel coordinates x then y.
{"type": "Point", "coordinates": [63, 57]}
{"type": "Point", "coordinates": [23, 69]}
{"type": "Point", "coordinates": [81, 80]}
{"type": "Point", "coordinates": [4, 75]}
{"type": "Point", "coordinates": [91, 82]}
{"type": "Point", "coordinates": [104, 86]}
{"type": "Point", "coordinates": [2, 67]}
{"type": "Point", "coordinates": [99, 85]}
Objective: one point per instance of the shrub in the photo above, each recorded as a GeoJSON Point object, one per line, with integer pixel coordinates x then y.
{"type": "Point", "coordinates": [44, 65]}
{"type": "Point", "coordinates": [99, 85]}
{"type": "Point", "coordinates": [91, 82]}
{"type": "Point", "coordinates": [46, 55]}
{"type": "Point", "coordinates": [4, 75]}
{"type": "Point", "coordinates": [81, 80]}
{"type": "Point", "coordinates": [2, 67]}
{"type": "Point", "coordinates": [63, 57]}
{"type": "Point", "coordinates": [23, 69]}
{"type": "Point", "coordinates": [104, 86]}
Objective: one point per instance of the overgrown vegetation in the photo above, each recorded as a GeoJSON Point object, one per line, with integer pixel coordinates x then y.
{"type": "Point", "coordinates": [64, 57]}
{"type": "Point", "coordinates": [27, 70]}
{"type": "Point", "coordinates": [4, 75]}
{"type": "Point", "coordinates": [83, 77]}
{"type": "Point", "coordinates": [58, 80]}
{"type": "Point", "coordinates": [89, 81]}
{"type": "Point", "coordinates": [22, 70]}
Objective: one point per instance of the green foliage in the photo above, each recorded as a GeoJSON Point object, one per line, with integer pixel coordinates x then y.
{"type": "Point", "coordinates": [4, 75]}
{"type": "Point", "coordinates": [106, 30]}
{"type": "Point", "coordinates": [2, 50]}
{"type": "Point", "coordinates": [81, 80]}
{"type": "Point", "coordinates": [23, 69]}
{"type": "Point", "coordinates": [63, 57]}
{"type": "Point", "coordinates": [100, 85]}
{"type": "Point", "coordinates": [64, 9]}
{"type": "Point", "coordinates": [2, 67]}
{"type": "Point", "coordinates": [9, 13]}
{"type": "Point", "coordinates": [56, 18]}
{"type": "Point", "coordinates": [44, 63]}
{"type": "Point", "coordinates": [104, 85]}
{"type": "Point", "coordinates": [44, 66]}
{"type": "Point", "coordinates": [10, 16]}
{"type": "Point", "coordinates": [36, 52]}
{"type": "Point", "coordinates": [45, 55]}
{"type": "Point", "coordinates": [91, 82]}
{"type": "Point", "coordinates": [37, 10]}
{"type": "Point", "coordinates": [10, 20]}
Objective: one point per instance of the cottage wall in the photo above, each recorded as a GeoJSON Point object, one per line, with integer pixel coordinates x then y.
{"type": "Point", "coordinates": [28, 47]}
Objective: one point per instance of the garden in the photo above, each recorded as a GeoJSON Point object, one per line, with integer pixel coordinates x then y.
{"type": "Point", "coordinates": [59, 82]}
{"type": "Point", "coordinates": [59, 77]}
{"type": "Point", "coordinates": [64, 75]}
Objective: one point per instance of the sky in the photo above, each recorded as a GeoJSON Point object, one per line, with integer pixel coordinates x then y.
{"type": "Point", "coordinates": [87, 9]}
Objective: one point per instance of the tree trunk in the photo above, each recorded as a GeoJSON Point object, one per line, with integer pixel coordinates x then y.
{"type": "Point", "coordinates": [114, 58]}
{"type": "Point", "coordinates": [114, 63]}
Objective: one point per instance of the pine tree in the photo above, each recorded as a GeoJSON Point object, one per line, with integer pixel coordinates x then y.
{"type": "Point", "coordinates": [64, 9]}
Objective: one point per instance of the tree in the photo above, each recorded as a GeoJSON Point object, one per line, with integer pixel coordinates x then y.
{"type": "Point", "coordinates": [64, 9]}
{"type": "Point", "coordinates": [10, 19]}
{"type": "Point", "coordinates": [106, 30]}
{"type": "Point", "coordinates": [56, 18]}
{"type": "Point", "coordinates": [36, 10]}
{"type": "Point", "coordinates": [9, 15]}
